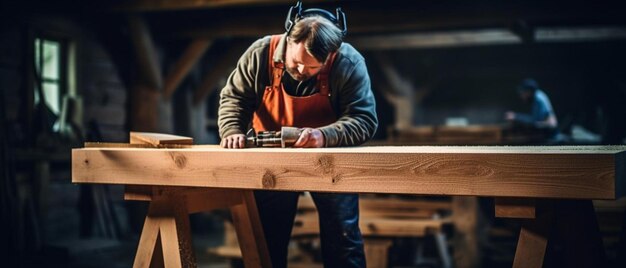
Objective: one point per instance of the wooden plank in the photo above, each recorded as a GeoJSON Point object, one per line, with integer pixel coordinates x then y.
{"type": "Point", "coordinates": [308, 224]}
{"type": "Point", "coordinates": [181, 68]}
{"type": "Point", "coordinates": [583, 172]}
{"type": "Point", "coordinates": [145, 193]}
{"type": "Point", "coordinates": [377, 207]}
{"type": "Point", "coordinates": [385, 204]}
{"type": "Point", "coordinates": [226, 251]}
{"type": "Point", "coordinates": [157, 139]}
{"type": "Point", "coordinates": [515, 208]}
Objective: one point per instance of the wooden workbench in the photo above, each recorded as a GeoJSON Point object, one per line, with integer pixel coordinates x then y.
{"type": "Point", "coordinates": [198, 178]}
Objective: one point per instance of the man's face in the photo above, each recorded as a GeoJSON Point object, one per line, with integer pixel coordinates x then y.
{"type": "Point", "coordinates": [300, 65]}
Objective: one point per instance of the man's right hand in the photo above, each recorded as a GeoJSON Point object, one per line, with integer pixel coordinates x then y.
{"type": "Point", "coordinates": [235, 141]}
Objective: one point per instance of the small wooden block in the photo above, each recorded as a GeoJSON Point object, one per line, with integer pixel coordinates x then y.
{"type": "Point", "coordinates": [515, 208]}
{"type": "Point", "coordinates": [157, 139]}
{"type": "Point", "coordinates": [138, 192]}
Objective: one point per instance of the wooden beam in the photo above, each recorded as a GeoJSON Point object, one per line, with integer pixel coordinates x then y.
{"type": "Point", "coordinates": [308, 224]}
{"type": "Point", "coordinates": [151, 5]}
{"type": "Point", "coordinates": [585, 172]}
{"type": "Point", "coordinates": [219, 69]}
{"type": "Point", "coordinates": [401, 95]}
{"type": "Point", "coordinates": [438, 39]}
{"type": "Point", "coordinates": [411, 17]}
{"type": "Point", "coordinates": [146, 86]}
{"type": "Point", "coordinates": [149, 66]}
{"type": "Point", "coordinates": [142, 192]}
{"type": "Point", "coordinates": [181, 68]}
{"type": "Point", "coordinates": [144, 109]}
{"type": "Point", "coordinates": [515, 208]}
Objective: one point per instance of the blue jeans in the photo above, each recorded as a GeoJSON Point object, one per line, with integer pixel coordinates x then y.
{"type": "Point", "coordinates": [342, 244]}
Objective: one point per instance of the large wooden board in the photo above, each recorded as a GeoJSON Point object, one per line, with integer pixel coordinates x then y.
{"type": "Point", "coordinates": [580, 172]}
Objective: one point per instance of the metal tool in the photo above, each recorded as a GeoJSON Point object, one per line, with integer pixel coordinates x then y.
{"type": "Point", "coordinates": [286, 137]}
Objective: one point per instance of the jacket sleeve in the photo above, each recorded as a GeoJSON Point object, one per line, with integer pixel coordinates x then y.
{"type": "Point", "coordinates": [238, 98]}
{"type": "Point", "coordinates": [357, 121]}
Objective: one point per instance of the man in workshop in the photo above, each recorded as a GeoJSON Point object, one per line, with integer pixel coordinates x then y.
{"type": "Point", "coordinates": [310, 79]}
{"type": "Point", "coordinates": [541, 117]}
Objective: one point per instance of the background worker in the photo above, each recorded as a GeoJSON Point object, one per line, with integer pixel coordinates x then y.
{"type": "Point", "coordinates": [541, 116]}
{"type": "Point", "coordinates": [306, 78]}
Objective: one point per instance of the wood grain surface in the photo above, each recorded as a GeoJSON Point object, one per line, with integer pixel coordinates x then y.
{"type": "Point", "coordinates": [585, 172]}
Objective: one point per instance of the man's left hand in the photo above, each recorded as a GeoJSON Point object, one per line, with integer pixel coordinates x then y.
{"type": "Point", "coordinates": [310, 138]}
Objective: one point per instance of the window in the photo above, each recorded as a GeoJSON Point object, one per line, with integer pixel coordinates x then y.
{"type": "Point", "coordinates": [49, 64]}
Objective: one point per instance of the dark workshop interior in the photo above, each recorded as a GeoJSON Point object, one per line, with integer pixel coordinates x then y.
{"type": "Point", "coordinates": [442, 73]}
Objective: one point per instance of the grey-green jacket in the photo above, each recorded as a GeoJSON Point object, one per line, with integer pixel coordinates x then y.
{"type": "Point", "coordinates": [351, 94]}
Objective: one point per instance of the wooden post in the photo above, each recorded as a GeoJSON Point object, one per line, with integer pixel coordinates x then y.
{"type": "Point", "coordinates": [533, 238]}
{"type": "Point", "coordinates": [181, 68]}
{"type": "Point", "coordinates": [377, 252]}
{"type": "Point", "coordinates": [166, 228]}
{"type": "Point", "coordinates": [464, 217]}
{"type": "Point", "coordinates": [250, 232]}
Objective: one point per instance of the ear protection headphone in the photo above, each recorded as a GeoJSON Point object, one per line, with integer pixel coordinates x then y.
{"type": "Point", "coordinates": [296, 13]}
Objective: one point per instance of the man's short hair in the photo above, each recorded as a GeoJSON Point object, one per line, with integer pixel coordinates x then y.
{"type": "Point", "coordinates": [320, 36]}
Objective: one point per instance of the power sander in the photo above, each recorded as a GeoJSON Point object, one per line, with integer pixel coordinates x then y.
{"type": "Point", "coordinates": [286, 137]}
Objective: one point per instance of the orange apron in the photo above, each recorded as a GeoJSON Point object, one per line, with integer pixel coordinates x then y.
{"type": "Point", "coordinates": [279, 109]}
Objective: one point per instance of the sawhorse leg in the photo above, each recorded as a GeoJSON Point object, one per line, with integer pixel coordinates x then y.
{"type": "Point", "coordinates": [166, 239]}
{"type": "Point", "coordinates": [570, 225]}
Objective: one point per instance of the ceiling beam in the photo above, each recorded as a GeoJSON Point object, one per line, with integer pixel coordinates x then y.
{"type": "Point", "coordinates": [165, 5]}
{"type": "Point", "coordinates": [183, 66]}
{"type": "Point", "coordinates": [370, 19]}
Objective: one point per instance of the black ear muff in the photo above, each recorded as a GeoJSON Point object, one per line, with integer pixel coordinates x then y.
{"type": "Point", "coordinates": [293, 14]}
{"type": "Point", "coordinates": [296, 13]}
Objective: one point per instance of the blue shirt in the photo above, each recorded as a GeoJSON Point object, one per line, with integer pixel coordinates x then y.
{"type": "Point", "coordinates": [540, 110]}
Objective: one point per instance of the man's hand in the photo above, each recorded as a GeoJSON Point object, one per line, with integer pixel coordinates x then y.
{"type": "Point", "coordinates": [235, 141]}
{"type": "Point", "coordinates": [310, 138]}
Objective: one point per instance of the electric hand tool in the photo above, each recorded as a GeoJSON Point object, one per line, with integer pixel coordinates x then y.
{"type": "Point", "coordinates": [286, 137]}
